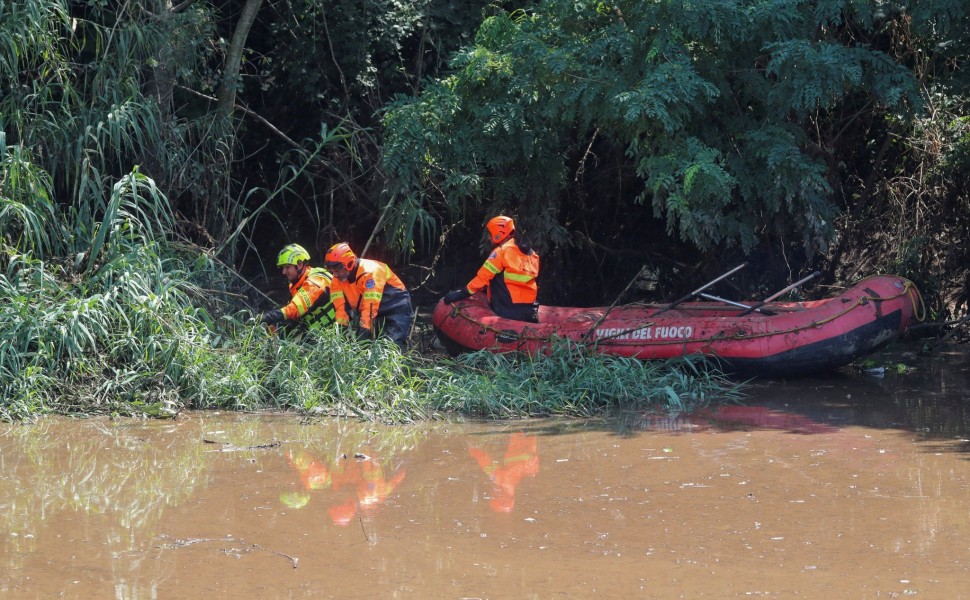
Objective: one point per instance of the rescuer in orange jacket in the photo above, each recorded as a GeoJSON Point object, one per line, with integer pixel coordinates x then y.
{"type": "Point", "coordinates": [372, 291]}
{"type": "Point", "coordinates": [310, 288]}
{"type": "Point", "coordinates": [509, 274]}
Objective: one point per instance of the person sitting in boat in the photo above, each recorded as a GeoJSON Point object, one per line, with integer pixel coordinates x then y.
{"type": "Point", "coordinates": [310, 287]}
{"type": "Point", "coordinates": [508, 275]}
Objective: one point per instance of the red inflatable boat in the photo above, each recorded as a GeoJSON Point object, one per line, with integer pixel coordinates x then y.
{"type": "Point", "coordinates": [767, 339]}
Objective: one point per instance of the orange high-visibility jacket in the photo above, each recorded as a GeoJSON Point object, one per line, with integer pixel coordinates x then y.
{"type": "Point", "coordinates": [311, 298]}
{"type": "Point", "coordinates": [372, 290]}
{"type": "Point", "coordinates": [508, 272]}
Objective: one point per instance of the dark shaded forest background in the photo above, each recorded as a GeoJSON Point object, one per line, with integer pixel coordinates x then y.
{"type": "Point", "coordinates": [670, 139]}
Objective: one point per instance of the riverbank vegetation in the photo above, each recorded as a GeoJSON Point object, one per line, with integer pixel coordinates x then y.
{"type": "Point", "coordinates": [154, 157]}
{"type": "Point", "coordinates": [106, 313]}
{"type": "Point", "coordinates": [157, 328]}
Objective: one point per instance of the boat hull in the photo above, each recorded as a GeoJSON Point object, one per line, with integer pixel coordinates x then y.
{"type": "Point", "coordinates": [787, 339]}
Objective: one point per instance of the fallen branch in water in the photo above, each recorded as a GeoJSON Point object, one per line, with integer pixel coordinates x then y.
{"type": "Point", "coordinates": [938, 325]}
{"type": "Point", "coordinates": [227, 447]}
{"type": "Point", "coordinates": [293, 560]}
{"type": "Point", "coordinates": [184, 543]}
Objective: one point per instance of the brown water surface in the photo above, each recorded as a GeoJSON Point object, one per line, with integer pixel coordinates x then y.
{"type": "Point", "coordinates": [849, 486]}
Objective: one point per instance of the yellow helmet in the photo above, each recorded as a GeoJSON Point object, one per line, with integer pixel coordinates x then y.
{"type": "Point", "coordinates": [293, 254]}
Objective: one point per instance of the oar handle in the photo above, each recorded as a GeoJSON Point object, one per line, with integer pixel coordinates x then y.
{"type": "Point", "coordinates": [700, 289]}
{"type": "Point", "coordinates": [781, 293]}
{"type": "Point", "coordinates": [724, 300]}
{"type": "Point", "coordinates": [738, 304]}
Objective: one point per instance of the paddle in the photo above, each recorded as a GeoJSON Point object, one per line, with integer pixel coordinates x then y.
{"type": "Point", "coordinates": [738, 304]}
{"type": "Point", "coordinates": [608, 310]}
{"type": "Point", "coordinates": [779, 294]}
{"type": "Point", "coordinates": [724, 300]}
{"type": "Point", "coordinates": [700, 289]}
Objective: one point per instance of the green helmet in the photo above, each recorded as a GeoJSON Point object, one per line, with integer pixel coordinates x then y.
{"type": "Point", "coordinates": [293, 254]}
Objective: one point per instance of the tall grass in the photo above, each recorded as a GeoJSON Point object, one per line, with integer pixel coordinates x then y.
{"type": "Point", "coordinates": [28, 214]}
{"type": "Point", "coordinates": [135, 339]}
{"type": "Point", "coordinates": [572, 381]}
{"type": "Point", "coordinates": [102, 310]}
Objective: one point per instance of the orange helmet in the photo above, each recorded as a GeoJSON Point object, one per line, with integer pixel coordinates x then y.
{"type": "Point", "coordinates": [499, 228]}
{"type": "Point", "coordinates": [341, 254]}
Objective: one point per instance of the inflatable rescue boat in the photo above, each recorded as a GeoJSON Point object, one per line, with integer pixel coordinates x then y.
{"type": "Point", "coordinates": [776, 339]}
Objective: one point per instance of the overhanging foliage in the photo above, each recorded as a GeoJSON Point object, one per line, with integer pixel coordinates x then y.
{"type": "Point", "coordinates": [714, 110]}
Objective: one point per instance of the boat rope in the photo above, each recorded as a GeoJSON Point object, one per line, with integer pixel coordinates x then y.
{"type": "Point", "coordinates": [457, 312]}
{"type": "Point", "coordinates": [919, 310]}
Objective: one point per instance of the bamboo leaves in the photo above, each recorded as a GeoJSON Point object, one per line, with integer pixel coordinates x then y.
{"type": "Point", "coordinates": [136, 210]}
{"type": "Point", "coordinates": [27, 207]}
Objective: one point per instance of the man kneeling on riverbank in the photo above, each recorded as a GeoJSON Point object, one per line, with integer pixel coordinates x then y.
{"type": "Point", "coordinates": [311, 305]}
{"type": "Point", "coordinates": [379, 296]}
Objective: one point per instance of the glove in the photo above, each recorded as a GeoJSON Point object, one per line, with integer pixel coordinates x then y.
{"type": "Point", "coordinates": [363, 334]}
{"type": "Point", "coordinates": [456, 295]}
{"type": "Point", "coordinates": [272, 317]}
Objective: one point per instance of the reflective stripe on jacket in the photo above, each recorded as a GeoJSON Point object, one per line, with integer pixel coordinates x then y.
{"type": "Point", "coordinates": [372, 290]}
{"type": "Point", "coordinates": [311, 298]}
{"type": "Point", "coordinates": [509, 274]}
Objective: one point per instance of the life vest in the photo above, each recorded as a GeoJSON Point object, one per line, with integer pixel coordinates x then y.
{"type": "Point", "coordinates": [311, 302]}
{"type": "Point", "coordinates": [372, 290]}
{"type": "Point", "coordinates": [509, 274]}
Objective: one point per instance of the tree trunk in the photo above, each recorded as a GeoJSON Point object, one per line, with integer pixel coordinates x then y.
{"type": "Point", "coordinates": [159, 83]}
{"type": "Point", "coordinates": [230, 73]}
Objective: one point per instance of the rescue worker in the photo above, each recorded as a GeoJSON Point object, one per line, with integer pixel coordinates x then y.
{"type": "Point", "coordinates": [311, 305]}
{"type": "Point", "coordinates": [509, 274]}
{"type": "Point", "coordinates": [373, 292]}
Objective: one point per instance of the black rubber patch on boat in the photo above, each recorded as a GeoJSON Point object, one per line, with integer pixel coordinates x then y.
{"type": "Point", "coordinates": [507, 336]}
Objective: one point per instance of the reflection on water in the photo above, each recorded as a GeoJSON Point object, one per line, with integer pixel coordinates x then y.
{"type": "Point", "coordinates": [520, 460]}
{"type": "Point", "coordinates": [727, 418]}
{"type": "Point", "coordinates": [927, 395]}
{"type": "Point", "coordinates": [117, 480]}
{"type": "Point", "coordinates": [847, 482]}
{"type": "Point", "coordinates": [936, 397]}
{"type": "Point", "coordinates": [357, 483]}
{"type": "Point", "coordinates": [363, 485]}
{"type": "Point", "coordinates": [104, 471]}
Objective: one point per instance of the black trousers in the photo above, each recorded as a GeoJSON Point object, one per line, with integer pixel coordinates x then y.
{"type": "Point", "coordinates": [517, 312]}
{"type": "Point", "coordinates": [396, 325]}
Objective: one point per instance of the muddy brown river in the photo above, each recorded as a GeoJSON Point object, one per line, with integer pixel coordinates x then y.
{"type": "Point", "coordinates": [847, 486]}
